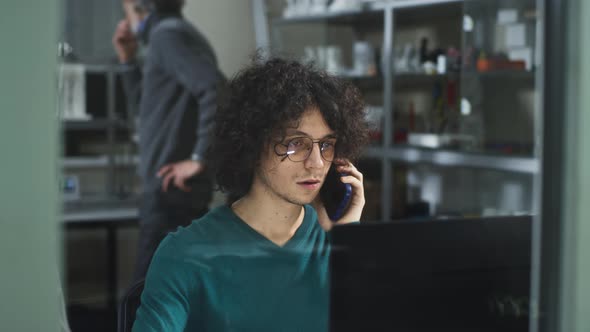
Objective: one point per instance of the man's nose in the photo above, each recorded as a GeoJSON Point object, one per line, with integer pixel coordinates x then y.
{"type": "Point", "coordinates": [315, 159]}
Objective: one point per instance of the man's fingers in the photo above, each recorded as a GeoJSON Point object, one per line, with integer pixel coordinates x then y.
{"type": "Point", "coordinates": [350, 169]}
{"type": "Point", "coordinates": [166, 181]}
{"type": "Point", "coordinates": [122, 28]}
{"type": "Point", "coordinates": [353, 180]}
{"type": "Point", "coordinates": [123, 32]}
{"type": "Point", "coordinates": [357, 185]}
{"type": "Point", "coordinates": [124, 24]}
{"type": "Point", "coordinates": [120, 25]}
{"type": "Point", "coordinates": [165, 169]}
{"type": "Point", "coordinates": [179, 183]}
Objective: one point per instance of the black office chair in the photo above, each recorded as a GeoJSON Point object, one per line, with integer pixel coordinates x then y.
{"type": "Point", "coordinates": [128, 307]}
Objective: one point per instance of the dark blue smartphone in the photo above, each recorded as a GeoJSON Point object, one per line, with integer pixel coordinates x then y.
{"type": "Point", "coordinates": [335, 194]}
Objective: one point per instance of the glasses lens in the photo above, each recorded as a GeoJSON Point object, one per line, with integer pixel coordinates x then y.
{"type": "Point", "coordinates": [327, 150]}
{"type": "Point", "coordinates": [299, 148]}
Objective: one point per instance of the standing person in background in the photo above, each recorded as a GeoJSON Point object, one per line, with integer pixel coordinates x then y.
{"type": "Point", "coordinates": [176, 89]}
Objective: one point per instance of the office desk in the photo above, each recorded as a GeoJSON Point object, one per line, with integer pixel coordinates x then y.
{"type": "Point", "coordinates": [109, 216]}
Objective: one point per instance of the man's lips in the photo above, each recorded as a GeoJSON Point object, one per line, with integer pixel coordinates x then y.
{"type": "Point", "coordinates": [310, 183]}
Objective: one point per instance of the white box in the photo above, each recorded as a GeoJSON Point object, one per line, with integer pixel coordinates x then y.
{"type": "Point", "coordinates": [72, 92]}
{"type": "Point", "coordinates": [515, 35]}
{"type": "Point", "coordinates": [507, 16]}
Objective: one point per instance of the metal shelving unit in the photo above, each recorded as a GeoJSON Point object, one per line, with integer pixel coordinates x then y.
{"type": "Point", "coordinates": [94, 124]}
{"type": "Point", "coordinates": [388, 153]}
{"type": "Point", "coordinates": [461, 159]}
{"type": "Point", "coordinates": [110, 125]}
{"type": "Point", "coordinates": [450, 158]}
{"type": "Point", "coordinates": [419, 3]}
{"type": "Point", "coordinates": [85, 162]}
{"type": "Point", "coordinates": [338, 16]}
{"type": "Point", "coordinates": [98, 162]}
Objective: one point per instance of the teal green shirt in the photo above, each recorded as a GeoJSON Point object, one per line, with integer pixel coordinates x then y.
{"type": "Point", "coordinates": [219, 274]}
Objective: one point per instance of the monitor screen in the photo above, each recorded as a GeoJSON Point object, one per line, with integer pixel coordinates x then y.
{"type": "Point", "coordinates": [437, 275]}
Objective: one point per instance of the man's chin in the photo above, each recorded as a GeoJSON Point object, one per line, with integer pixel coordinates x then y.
{"type": "Point", "coordinates": [302, 198]}
{"type": "Point", "coordinates": [308, 200]}
{"type": "Point", "coordinates": [302, 201]}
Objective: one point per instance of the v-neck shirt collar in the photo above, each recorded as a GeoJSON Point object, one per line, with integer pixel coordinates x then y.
{"type": "Point", "coordinates": [295, 242]}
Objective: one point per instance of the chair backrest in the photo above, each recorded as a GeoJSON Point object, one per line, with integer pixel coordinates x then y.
{"type": "Point", "coordinates": [128, 306]}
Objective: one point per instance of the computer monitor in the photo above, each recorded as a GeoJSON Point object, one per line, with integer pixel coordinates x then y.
{"type": "Point", "coordinates": [468, 274]}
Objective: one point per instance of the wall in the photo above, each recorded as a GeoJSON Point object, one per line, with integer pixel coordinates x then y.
{"type": "Point", "coordinates": [575, 266]}
{"type": "Point", "coordinates": [88, 26]}
{"type": "Point", "coordinates": [28, 181]}
{"type": "Point", "coordinates": [229, 26]}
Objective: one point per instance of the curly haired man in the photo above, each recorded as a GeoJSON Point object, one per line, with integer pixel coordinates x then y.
{"type": "Point", "coordinates": [260, 263]}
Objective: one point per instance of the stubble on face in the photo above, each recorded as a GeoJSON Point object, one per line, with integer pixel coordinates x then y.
{"type": "Point", "coordinates": [282, 190]}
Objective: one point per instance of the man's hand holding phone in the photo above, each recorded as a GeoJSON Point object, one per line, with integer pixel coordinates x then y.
{"type": "Point", "coordinates": [354, 210]}
{"type": "Point", "coordinates": [125, 42]}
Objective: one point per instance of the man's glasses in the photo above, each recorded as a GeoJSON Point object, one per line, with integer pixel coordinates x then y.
{"type": "Point", "coordinates": [299, 148]}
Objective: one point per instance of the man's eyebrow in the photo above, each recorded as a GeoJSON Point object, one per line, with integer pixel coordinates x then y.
{"type": "Point", "coordinates": [301, 133]}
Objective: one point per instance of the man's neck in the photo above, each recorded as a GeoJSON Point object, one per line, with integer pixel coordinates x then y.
{"type": "Point", "coordinates": [273, 217]}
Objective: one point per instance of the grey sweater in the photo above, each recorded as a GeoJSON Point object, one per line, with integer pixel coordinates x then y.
{"type": "Point", "coordinates": [177, 93]}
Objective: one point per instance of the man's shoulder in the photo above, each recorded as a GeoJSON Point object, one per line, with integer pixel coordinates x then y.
{"type": "Point", "coordinates": [194, 244]}
{"type": "Point", "coordinates": [208, 228]}
{"type": "Point", "coordinates": [172, 24]}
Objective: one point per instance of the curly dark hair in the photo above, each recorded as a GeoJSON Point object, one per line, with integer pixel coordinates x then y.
{"type": "Point", "coordinates": [266, 98]}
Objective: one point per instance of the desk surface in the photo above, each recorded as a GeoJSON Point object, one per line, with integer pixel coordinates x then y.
{"type": "Point", "coordinates": [105, 215]}
{"type": "Point", "coordinates": [104, 211]}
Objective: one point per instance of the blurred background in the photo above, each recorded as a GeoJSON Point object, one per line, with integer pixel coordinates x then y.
{"type": "Point", "coordinates": [477, 109]}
